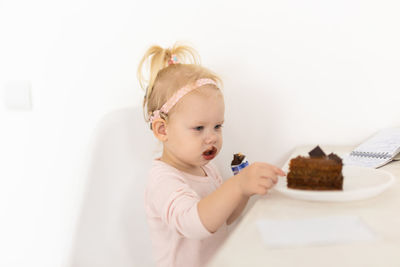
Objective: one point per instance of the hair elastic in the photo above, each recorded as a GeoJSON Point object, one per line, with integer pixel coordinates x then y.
{"type": "Point", "coordinates": [178, 95]}
{"type": "Point", "coordinates": [173, 60]}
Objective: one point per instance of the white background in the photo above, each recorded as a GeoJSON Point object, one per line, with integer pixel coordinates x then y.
{"type": "Point", "coordinates": [294, 72]}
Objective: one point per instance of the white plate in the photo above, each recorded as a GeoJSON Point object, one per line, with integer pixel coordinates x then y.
{"type": "Point", "coordinates": [358, 183]}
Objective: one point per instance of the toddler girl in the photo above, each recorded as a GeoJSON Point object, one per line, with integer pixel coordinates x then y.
{"type": "Point", "coordinates": [188, 205]}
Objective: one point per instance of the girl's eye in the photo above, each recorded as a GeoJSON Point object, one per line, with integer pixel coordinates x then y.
{"type": "Point", "coordinates": [219, 126]}
{"type": "Point", "coordinates": [199, 128]}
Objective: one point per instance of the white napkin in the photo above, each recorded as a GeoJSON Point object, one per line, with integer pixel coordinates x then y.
{"type": "Point", "coordinates": [314, 231]}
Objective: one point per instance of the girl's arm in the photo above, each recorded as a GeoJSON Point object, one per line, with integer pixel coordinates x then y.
{"type": "Point", "coordinates": [225, 202]}
{"type": "Point", "coordinates": [215, 209]}
{"type": "Point", "coordinates": [236, 213]}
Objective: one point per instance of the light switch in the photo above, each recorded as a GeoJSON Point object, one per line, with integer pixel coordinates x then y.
{"type": "Point", "coordinates": [18, 95]}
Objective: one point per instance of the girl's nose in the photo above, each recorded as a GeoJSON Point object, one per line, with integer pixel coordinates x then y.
{"type": "Point", "coordinates": [211, 138]}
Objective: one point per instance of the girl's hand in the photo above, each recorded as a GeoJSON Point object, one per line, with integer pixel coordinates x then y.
{"type": "Point", "coordinates": [258, 178]}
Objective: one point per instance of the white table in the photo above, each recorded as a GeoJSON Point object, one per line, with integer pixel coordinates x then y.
{"type": "Point", "coordinates": [244, 247]}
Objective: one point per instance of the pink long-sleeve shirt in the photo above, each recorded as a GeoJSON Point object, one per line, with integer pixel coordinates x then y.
{"type": "Point", "coordinates": [178, 236]}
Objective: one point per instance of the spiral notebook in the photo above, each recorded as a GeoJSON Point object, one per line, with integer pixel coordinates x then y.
{"type": "Point", "coordinates": [376, 151]}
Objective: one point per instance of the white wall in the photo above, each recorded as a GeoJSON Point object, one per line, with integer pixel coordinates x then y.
{"type": "Point", "coordinates": [295, 72]}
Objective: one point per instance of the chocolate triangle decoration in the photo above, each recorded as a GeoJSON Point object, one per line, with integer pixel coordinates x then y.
{"type": "Point", "coordinates": [335, 157]}
{"type": "Point", "coordinates": [317, 152]}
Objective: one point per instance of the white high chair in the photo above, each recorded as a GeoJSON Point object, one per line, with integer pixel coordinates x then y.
{"type": "Point", "coordinates": [112, 229]}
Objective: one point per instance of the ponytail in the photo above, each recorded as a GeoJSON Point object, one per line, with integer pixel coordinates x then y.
{"type": "Point", "coordinates": [159, 58]}
{"type": "Point", "coordinates": [168, 70]}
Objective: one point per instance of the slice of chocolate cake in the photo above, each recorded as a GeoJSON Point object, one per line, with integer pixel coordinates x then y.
{"type": "Point", "coordinates": [316, 172]}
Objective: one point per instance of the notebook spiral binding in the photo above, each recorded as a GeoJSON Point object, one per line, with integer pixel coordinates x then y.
{"type": "Point", "coordinates": [383, 155]}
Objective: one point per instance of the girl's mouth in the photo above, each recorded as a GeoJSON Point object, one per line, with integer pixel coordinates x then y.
{"type": "Point", "coordinates": [209, 154]}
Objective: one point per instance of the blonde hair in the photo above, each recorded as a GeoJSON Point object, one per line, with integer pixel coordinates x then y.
{"type": "Point", "coordinates": [165, 78]}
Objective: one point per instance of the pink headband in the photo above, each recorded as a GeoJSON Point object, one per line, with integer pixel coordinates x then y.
{"type": "Point", "coordinates": [178, 95]}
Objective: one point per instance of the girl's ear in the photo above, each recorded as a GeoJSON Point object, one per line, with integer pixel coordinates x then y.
{"type": "Point", "coordinates": [159, 127]}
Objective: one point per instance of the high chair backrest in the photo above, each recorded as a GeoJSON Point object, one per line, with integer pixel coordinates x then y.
{"type": "Point", "coordinates": [112, 229]}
